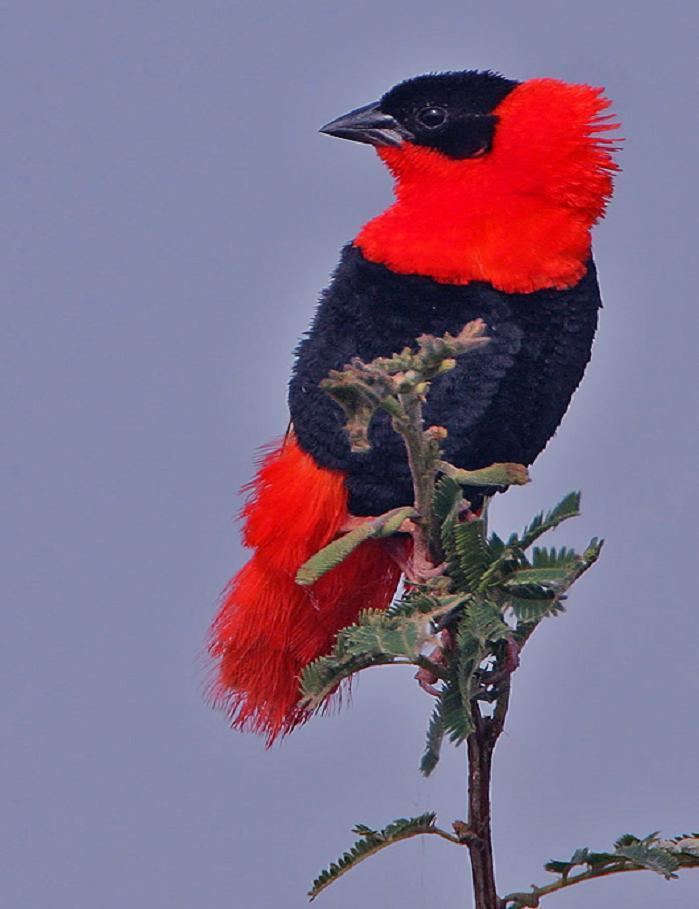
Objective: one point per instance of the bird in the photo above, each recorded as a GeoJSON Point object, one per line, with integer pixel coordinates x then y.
{"type": "Point", "coordinates": [497, 185]}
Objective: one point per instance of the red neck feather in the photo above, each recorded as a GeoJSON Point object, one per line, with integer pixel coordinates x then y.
{"type": "Point", "coordinates": [519, 217]}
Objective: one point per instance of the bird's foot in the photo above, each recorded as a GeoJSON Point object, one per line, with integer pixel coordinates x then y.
{"type": "Point", "coordinates": [417, 570]}
{"type": "Point", "coordinates": [415, 564]}
{"type": "Point", "coordinates": [427, 679]}
{"type": "Point", "coordinates": [419, 567]}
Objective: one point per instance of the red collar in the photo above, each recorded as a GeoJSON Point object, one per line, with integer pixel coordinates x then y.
{"type": "Point", "coordinates": [519, 217]}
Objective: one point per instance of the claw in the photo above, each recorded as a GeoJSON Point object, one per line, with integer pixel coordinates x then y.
{"type": "Point", "coordinates": [417, 568]}
{"type": "Point", "coordinates": [426, 679]}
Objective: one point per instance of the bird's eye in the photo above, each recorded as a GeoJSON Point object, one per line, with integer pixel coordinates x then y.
{"type": "Point", "coordinates": [432, 117]}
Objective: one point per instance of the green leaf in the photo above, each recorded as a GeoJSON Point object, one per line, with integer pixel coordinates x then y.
{"type": "Point", "coordinates": [569, 507]}
{"type": "Point", "coordinates": [591, 554]}
{"type": "Point", "coordinates": [686, 845]}
{"type": "Point", "coordinates": [321, 677]}
{"type": "Point", "coordinates": [558, 867]}
{"type": "Point", "coordinates": [553, 558]}
{"type": "Point", "coordinates": [531, 610]}
{"type": "Point", "coordinates": [447, 502]}
{"type": "Point", "coordinates": [484, 622]}
{"type": "Point", "coordinates": [447, 496]}
{"type": "Point", "coordinates": [448, 550]}
{"type": "Point", "coordinates": [419, 602]}
{"type": "Point", "coordinates": [435, 736]}
{"type": "Point", "coordinates": [472, 551]}
{"type": "Point", "coordinates": [536, 591]}
{"type": "Point", "coordinates": [377, 638]}
{"type": "Point", "coordinates": [371, 842]}
{"type": "Point", "coordinates": [497, 546]}
{"type": "Point", "coordinates": [481, 627]}
{"type": "Point", "coordinates": [502, 474]}
{"type": "Point", "coordinates": [378, 633]}
{"type": "Point", "coordinates": [626, 839]}
{"type": "Point", "coordinates": [658, 860]}
{"type": "Point", "coordinates": [505, 559]}
{"type": "Point", "coordinates": [456, 715]}
{"type": "Point", "coordinates": [331, 555]}
{"type": "Point", "coordinates": [630, 854]}
{"type": "Point", "coordinates": [600, 859]}
{"type": "Point", "coordinates": [539, 577]}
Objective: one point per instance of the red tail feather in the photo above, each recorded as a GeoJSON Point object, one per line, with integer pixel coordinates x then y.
{"type": "Point", "coordinates": [268, 627]}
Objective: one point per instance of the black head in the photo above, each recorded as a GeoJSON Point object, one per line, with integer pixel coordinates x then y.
{"type": "Point", "coordinates": [450, 112]}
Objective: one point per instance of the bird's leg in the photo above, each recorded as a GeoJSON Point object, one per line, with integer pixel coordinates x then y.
{"type": "Point", "coordinates": [403, 554]}
{"type": "Point", "coordinates": [426, 679]}
{"type": "Point", "coordinates": [418, 567]}
{"type": "Point", "coordinates": [415, 565]}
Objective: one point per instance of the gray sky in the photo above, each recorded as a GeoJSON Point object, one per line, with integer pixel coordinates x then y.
{"type": "Point", "coordinates": [170, 215]}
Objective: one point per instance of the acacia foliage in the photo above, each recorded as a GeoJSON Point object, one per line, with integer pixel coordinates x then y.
{"type": "Point", "coordinates": [490, 596]}
{"type": "Point", "coordinates": [464, 624]}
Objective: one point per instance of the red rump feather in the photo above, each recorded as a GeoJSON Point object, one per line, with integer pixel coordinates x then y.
{"type": "Point", "coordinates": [269, 628]}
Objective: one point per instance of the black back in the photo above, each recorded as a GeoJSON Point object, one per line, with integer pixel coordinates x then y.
{"type": "Point", "coordinates": [502, 403]}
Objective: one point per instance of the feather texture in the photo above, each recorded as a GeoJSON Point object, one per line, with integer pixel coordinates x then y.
{"type": "Point", "coordinates": [518, 217]}
{"type": "Point", "coordinates": [500, 404]}
{"type": "Point", "coordinates": [268, 627]}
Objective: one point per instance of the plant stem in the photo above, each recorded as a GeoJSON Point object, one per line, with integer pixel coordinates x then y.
{"type": "Point", "coordinates": [480, 746]}
{"type": "Point", "coordinates": [423, 455]}
{"type": "Point", "coordinates": [481, 848]}
{"type": "Point", "coordinates": [422, 458]}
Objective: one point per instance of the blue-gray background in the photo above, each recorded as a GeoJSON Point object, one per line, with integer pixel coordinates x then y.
{"type": "Point", "coordinates": [169, 216]}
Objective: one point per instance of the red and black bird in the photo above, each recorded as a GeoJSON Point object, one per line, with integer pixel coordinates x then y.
{"type": "Point", "coordinates": [497, 185]}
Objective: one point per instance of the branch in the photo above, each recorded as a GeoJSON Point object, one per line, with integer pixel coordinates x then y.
{"type": "Point", "coordinates": [664, 857]}
{"type": "Point", "coordinates": [373, 841]}
{"type": "Point", "coordinates": [478, 598]}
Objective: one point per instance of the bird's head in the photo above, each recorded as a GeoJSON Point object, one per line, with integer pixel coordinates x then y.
{"type": "Point", "coordinates": [451, 113]}
{"type": "Point", "coordinates": [479, 158]}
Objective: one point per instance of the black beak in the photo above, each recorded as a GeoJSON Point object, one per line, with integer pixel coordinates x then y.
{"type": "Point", "coordinates": [368, 124]}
